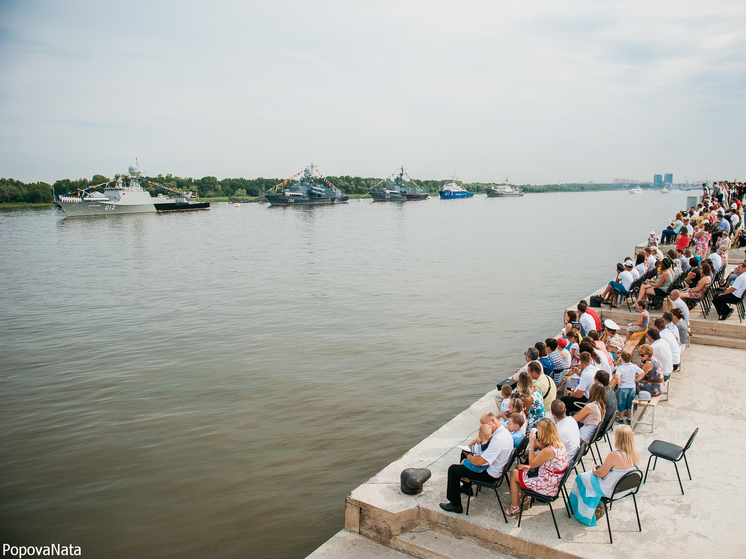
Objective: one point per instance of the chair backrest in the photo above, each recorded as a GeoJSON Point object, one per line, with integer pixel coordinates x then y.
{"type": "Point", "coordinates": [521, 448]}
{"type": "Point", "coordinates": [610, 423]}
{"type": "Point", "coordinates": [629, 482]}
{"type": "Point", "coordinates": [691, 440]}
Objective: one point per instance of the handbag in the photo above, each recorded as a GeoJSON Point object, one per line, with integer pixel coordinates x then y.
{"type": "Point", "coordinates": [533, 472]}
{"type": "Point", "coordinates": [596, 301]}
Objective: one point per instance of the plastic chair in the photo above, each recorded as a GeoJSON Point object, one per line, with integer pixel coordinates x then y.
{"type": "Point", "coordinates": [520, 449]}
{"type": "Point", "coordinates": [550, 499]}
{"type": "Point", "coordinates": [672, 453]}
{"type": "Point", "coordinates": [629, 484]}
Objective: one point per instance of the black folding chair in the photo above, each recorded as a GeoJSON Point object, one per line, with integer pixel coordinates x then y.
{"type": "Point", "coordinates": [520, 449]}
{"type": "Point", "coordinates": [672, 453]}
{"type": "Point", "coordinates": [629, 484]}
{"type": "Point", "coordinates": [605, 435]}
{"type": "Point", "coordinates": [550, 499]}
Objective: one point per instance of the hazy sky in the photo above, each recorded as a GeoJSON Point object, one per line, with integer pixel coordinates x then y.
{"type": "Point", "coordinates": [543, 91]}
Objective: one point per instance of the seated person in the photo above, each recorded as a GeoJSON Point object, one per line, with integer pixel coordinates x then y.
{"type": "Point", "coordinates": [651, 377]}
{"type": "Point", "coordinates": [506, 391]}
{"type": "Point", "coordinates": [567, 428]}
{"type": "Point", "coordinates": [694, 274]}
{"type": "Point", "coordinates": [560, 359]}
{"type": "Point", "coordinates": [496, 457]}
{"type": "Point", "coordinates": [515, 405]}
{"type": "Point", "coordinates": [593, 413]}
{"type": "Point", "coordinates": [580, 393]}
{"type": "Point", "coordinates": [691, 296]}
{"type": "Point", "coordinates": [613, 341]}
{"type": "Point", "coordinates": [484, 436]}
{"type": "Point", "coordinates": [516, 426]}
{"type": "Point", "coordinates": [660, 286]}
{"type": "Point", "coordinates": [571, 321]}
{"type": "Point", "coordinates": [546, 363]}
{"type": "Point", "coordinates": [546, 452]}
{"type": "Point", "coordinates": [586, 494]}
{"type": "Point", "coordinates": [642, 322]}
{"type": "Point", "coordinates": [603, 378]}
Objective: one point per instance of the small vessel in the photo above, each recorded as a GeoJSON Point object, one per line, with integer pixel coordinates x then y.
{"type": "Point", "coordinates": [238, 201]}
{"type": "Point", "coordinates": [503, 190]}
{"type": "Point", "coordinates": [664, 190]}
{"type": "Point", "coordinates": [120, 198]}
{"type": "Point", "coordinates": [399, 191]}
{"type": "Point", "coordinates": [452, 190]}
{"type": "Point", "coordinates": [635, 190]}
{"type": "Point", "coordinates": [304, 189]}
{"type": "Point", "coordinates": [236, 204]}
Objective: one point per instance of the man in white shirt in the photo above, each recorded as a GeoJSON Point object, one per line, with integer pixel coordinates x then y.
{"type": "Point", "coordinates": [680, 304]}
{"type": "Point", "coordinates": [671, 340]}
{"type": "Point", "coordinates": [583, 388]}
{"type": "Point", "coordinates": [496, 457]}
{"type": "Point", "coordinates": [587, 322]}
{"type": "Point", "coordinates": [629, 265]}
{"type": "Point", "coordinates": [661, 351]}
{"type": "Point", "coordinates": [567, 427]}
{"type": "Point", "coordinates": [717, 262]}
{"type": "Point", "coordinates": [731, 295]}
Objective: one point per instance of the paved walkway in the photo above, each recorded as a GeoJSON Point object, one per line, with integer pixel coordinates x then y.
{"type": "Point", "coordinates": [705, 522]}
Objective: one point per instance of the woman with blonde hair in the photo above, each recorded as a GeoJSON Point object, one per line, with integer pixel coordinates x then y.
{"type": "Point", "coordinates": [545, 452]}
{"type": "Point", "coordinates": [589, 487]}
{"type": "Point", "coordinates": [533, 402]}
{"type": "Point", "coordinates": [593, 412]}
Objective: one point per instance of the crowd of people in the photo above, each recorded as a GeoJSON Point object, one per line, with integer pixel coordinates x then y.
{"type": "Point", "coordinates": [572, 385]}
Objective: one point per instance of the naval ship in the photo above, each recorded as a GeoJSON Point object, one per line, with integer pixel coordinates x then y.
{"type": "Point", "coordinates": [304, 189]}
{"type": "Point", "coordinates": [399, 191]}
{"type": "Point", "coordinates": [121, 198]}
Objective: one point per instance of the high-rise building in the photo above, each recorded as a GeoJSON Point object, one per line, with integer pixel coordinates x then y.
{"type": "Point", "coordinates": [668, 178]}
{"type": "Point", "coordinates": [657, 180]}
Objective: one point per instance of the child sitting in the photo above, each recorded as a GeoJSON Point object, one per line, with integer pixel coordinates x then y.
{"type": "Point", "coordinates": [516, 406]}
{"type": "Point", "coordinates": [515, 426]}
{"type": "Point", "coordinates": [642, 322]}
{"type": "Point", "coordinates": [505, 391]}
{"type": "Point", "coordinates": [485, 435]}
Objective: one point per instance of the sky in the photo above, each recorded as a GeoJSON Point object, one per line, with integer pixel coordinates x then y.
{"type": "Point", "coordinates": [540, 92]}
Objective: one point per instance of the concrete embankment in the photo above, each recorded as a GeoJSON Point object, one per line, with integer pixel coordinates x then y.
{"type": "Point", "coordinates": [380, 521]}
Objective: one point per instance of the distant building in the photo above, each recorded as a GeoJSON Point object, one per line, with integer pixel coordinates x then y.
{"type": "Point", "coordinates": [657, 180]}
{"type": "Point", "coordinates": [668, 178]}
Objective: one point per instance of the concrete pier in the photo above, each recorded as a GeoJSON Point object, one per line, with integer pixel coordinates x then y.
{"type": "Point", "coordinates": [380, 521]}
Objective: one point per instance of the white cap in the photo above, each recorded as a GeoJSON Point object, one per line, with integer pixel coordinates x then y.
{"type": "Point", "coordinates": [610, 324]}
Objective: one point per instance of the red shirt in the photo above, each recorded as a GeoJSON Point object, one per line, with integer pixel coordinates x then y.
{"type": "Point", "coordinates": [683, 242]}
{"type": "Point", "coordinates": [596, 319]}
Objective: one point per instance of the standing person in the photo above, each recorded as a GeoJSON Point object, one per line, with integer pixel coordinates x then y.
{"type": "Point", "coordinates": [589, 487]}
{"type": "Point", "coordinates": [546, 452]}
{"type": "Point", "coordinates": [495, 456]}
{"type": "Point", "coordinates": [625, 375]}
{"type": "Point", "coordinates": [731, 295]}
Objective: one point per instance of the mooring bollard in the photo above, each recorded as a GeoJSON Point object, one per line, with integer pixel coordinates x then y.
{"type": "Point", "coordinates": [412, 480]}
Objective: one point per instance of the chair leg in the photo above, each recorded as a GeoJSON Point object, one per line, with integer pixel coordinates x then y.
{"type": "Point", "coordinates": [634, 499]}
{"type": "Point", "coordinates": [646, 469]}
{"type": "Point", "coordinates": [468, 502]}
{"type": "Point", "coordinates": [655, 463]}
{"type": "Point", "coordinates": [592, 454]}
{"type": "Point", "coordinates": [520, 514]}
{"type": "Point", "coordinates": [565, 500]}
{"type": "Point", "coordinates": [554, 520]}
{"type": "Point", "coordinates": [679, 477]}
{"type": "Point", "coordinates": [499, 502]}
{"type": "Point", "coordinates": [687, 468]}
{"type": "Point", "coordinates": [608, 524]}
{"type": "Point", "coordinates": [608, 440]}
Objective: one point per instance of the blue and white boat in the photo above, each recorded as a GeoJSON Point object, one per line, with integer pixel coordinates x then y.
{"type": "Point", "coordinates": [454, 190]}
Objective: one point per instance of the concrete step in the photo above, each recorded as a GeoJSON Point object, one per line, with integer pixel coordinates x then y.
{"type": "Point", "coordinates": [429, 544]}
{"type": "Point", "coordinates": [705, 339]}
{"type": "Point", "coordinates": [346, 544]}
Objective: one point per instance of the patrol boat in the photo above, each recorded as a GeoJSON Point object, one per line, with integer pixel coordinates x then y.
{"type": "Point", "coordinates": [454, 190]}
{"type": "Point", "coordinates": [503, 190]}
{"type": "Point", "coordinates": [304, 189]}
{"type": "Point", "coordinates": [120, 198]}
{"type": "Point", "coordinates": [399, 191]}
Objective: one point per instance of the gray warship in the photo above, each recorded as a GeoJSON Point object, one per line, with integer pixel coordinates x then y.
{"type": "Point", "coordinates": [120, 198]}
{"type": "Point", "coordinates": [399, 191]}
{"type": "Point", "coordinates": [304, 189]}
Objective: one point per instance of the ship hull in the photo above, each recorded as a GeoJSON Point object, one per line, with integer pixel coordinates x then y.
{"type": "Point", "coordinates": [418, 196]}
{"type": "Point", "coordinates": [387, 197]}
{"type": "Point", "coordinates": [453, 195]}
{"type": "Point", "coordinates": [503, 194]}
{"type": "Point", "coordinates": [87, 209]}
{"type": "Point", "coordinates": [305, 200]}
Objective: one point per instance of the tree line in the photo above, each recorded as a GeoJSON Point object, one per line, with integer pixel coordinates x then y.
{"type": "Point", "coordinates": [14, 191]}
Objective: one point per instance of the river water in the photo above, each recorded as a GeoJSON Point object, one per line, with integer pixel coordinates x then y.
{"type": "Point", "coordinates": [214, 383]}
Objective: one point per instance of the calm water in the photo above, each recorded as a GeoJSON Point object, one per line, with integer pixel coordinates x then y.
{"type": "Point", "coordinates": [214, 383]}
